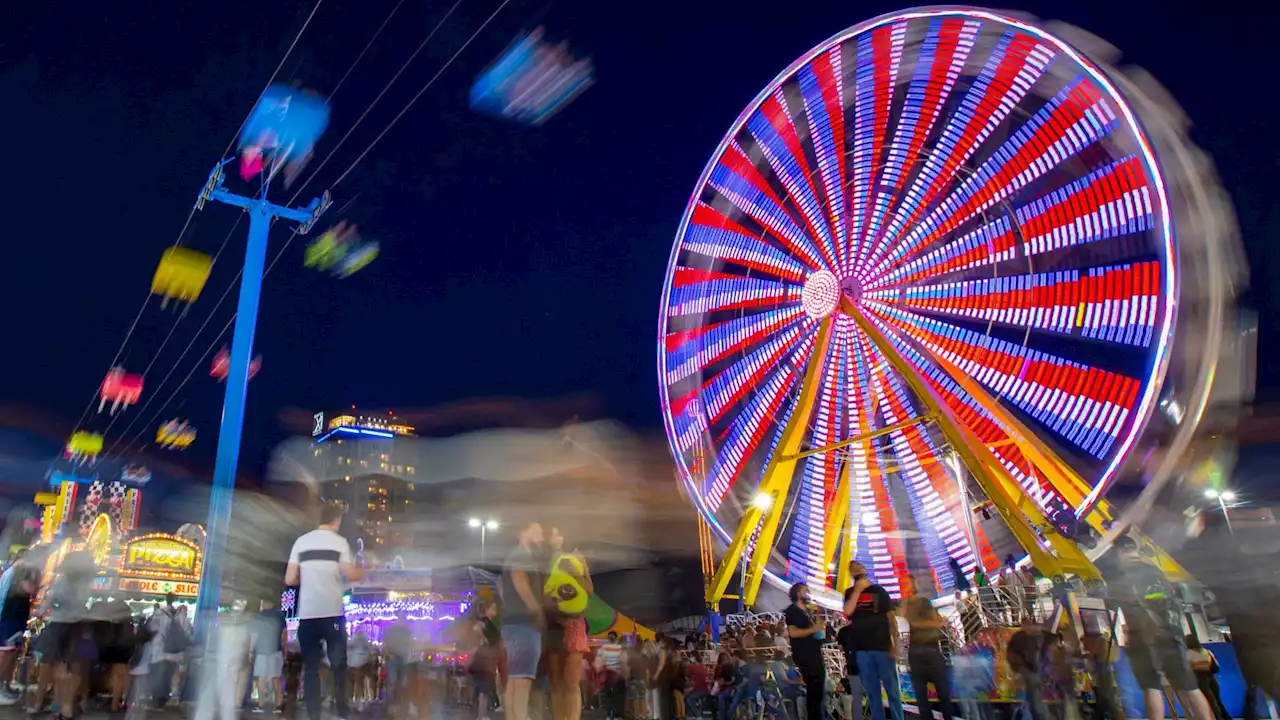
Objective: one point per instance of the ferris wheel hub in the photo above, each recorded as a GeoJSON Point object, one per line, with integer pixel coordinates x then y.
{"type": "Point", "coordinates": [821, 294]}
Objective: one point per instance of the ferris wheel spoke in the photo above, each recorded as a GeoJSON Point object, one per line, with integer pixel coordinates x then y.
{"type": "Point", "coordinates": [752, 422]}
{"type": "Point", "coordinates": [714, 236]}
{"type": "Point", "coordinates": [934, 496]}
{"type": "Point", "coordinates": [822, 94]}
{"type": "Point", "coordinates": [736, 179]}
{"type": "Point", "coordinates": [1076, 118]}
{"type": "Point", "coordinates": [943, 53]}
{"type": "Point", "coordinates": [878, 54]}
{"type": "Point", "coordinates": [774, 133]}
{"type": "Point", "coordinates": [818, 478]}
{"type": "Point", "coordinates": [692, 351]}
{"type": "Point", "coordinates": [995, 435]}
{"type": "Point", "coordinates": [1084, 405]}
{"type": "Point", "coordinates": [1014, 66]}
{"type": "Point", "coordinates": [1109, 203]}
{"type": "Point", "coordinates": [701, 292]}
{"type": "Point", "coordinates": [1116, 304]}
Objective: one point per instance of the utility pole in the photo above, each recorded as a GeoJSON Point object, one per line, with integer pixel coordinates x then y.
{"type": "Point", "coordinates": [261, 214]}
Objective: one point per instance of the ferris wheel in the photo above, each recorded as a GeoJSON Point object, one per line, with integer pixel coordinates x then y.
{"type": "Point", "coordinates": [929, 275]}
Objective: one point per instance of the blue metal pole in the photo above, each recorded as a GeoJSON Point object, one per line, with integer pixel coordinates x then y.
{"type": "Point", "coordinates": [232, 426]}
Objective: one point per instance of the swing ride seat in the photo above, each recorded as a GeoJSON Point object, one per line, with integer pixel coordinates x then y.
{"type": "Point", "coordinates": [181, 274]}
{"type": "Point", "coordinates": [120, 388]}
{"type": "Point", "coordinates": [84, 444]}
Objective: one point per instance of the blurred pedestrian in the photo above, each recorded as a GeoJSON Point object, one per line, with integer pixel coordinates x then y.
{"type": "Point", "coordinates": [72, 635]}
{"type": "Point", "coordinates": [924, 654]}
{"type": "Point", "coordinates": [523, 620]}
{"type": "Point", "coordinates": [267, 632]}
{"type": "Point", "coordinates": [17, 588]}
{"type": "Point", "coordinates": [320, 566]}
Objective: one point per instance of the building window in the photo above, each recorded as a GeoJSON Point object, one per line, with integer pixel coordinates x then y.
{"type": "Point", "coordinates": [410, 469]}
{"type": "Point", "coordinates": [411, 484]}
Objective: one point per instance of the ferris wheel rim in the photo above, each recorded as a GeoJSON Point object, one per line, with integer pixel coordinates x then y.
{"type": "Point", "coordinates": [1162, 343]}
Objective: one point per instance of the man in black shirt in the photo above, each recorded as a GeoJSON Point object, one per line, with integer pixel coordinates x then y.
{"type": "Point", "coordinates": [806, 649]}
{"type": "Point", "coordinates": [875, 634]}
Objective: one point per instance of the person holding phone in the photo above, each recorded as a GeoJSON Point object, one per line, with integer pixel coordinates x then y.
{"type": "Point", "coordinates": [807, 635]}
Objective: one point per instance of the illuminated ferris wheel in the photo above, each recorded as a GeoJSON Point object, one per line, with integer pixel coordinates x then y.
{"type": "Point", "coordinates": [931, 268]}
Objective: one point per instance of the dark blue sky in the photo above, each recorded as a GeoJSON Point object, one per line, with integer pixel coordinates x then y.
{"type": "Point", "coordinates": [515, 261]}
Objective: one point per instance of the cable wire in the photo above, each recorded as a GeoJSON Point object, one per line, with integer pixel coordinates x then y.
{"type": "Point", "coordinates": [367, 45]}
{"type": "Point", "coordinates": [301, 189]}
{"type": "Point", "coordinates": [385, 88]}
{"type": "Point", "coordinates": [426, 87]}
{"type": "Point", "coordinates": [190, 215]}
{"type": "Point", "coordinates": [274, 74]}
{"type": "Point", "coordinates": [202, 358]}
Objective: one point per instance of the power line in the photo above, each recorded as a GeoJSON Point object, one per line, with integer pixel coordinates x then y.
{"type": "Point", "coordinates": [385, 88]}
{"type": "Point", "coordinates": [302, 188]}
{"type": "Point", "coordinates": [187, 224]}
{"type": "Point", "coordinates": [426, 87]}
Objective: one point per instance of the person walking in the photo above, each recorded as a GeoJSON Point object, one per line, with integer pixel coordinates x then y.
{"type": "Point", "coordinates": [320, 566]}
{"type": "Point", "coordinates": [1154, 643]}
{"type": "Point", "coordinates": [268, 654]}
{"type": "Point", "coordinates": [1024, 653]}
{"type": "Point", "coordinates": [924, 654]}
{"type": "Point", "coordinates": [807, 635]}
{"type": "Point", "coordinates": [522, 618]}
{"type": "Point", "coordinates": [875, 635]}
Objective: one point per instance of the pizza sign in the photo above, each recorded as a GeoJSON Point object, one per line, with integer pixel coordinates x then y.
{"type": "Point", "coordinates": [163, 554]}
{"type": "Point", "coordinates": [160, 587]}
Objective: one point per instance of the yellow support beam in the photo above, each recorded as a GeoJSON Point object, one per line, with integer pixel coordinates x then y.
{"type": "Point", "coordinates": [837, 516]}
{"type": "Point", "coordinates": [865, 436]}
{"type": "Point", "coordinates": [776, 480]}
{"type": "Point", "coordinates": [1073, 488]}
{"type": "Point", "coordinates": [1021, 516]}
{"type": "Point", "coordinates": [775, 484]}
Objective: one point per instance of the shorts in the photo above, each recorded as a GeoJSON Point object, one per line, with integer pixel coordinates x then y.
{"type": "Point", "coordinates": [1166, 657]}
{"type": "Point", "coordinates": [63, 642]}
{"type": "Point", "coordinates": [268, 665]}
{"type": "Point", "coordinates": [524, 648]}
{"type": "Point", "coordinates": [11, 633]}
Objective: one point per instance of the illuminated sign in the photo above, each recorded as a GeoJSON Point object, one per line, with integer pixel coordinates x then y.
{"type": "Point", "coordinates": [317, 425]}
{"type": "Point", "coordinates": [159, 587]}
{"type": "Point", "coordinates": [161, 555]}
{"type": "Point", "coordinates": [367, 423]}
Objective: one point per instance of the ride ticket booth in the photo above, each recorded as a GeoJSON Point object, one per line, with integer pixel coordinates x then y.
{"type": "Point", "coordinates": [149, 568]}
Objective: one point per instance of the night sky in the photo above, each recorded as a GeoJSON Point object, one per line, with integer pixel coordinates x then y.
{"type": "Point", "coordinates": [515, 261]}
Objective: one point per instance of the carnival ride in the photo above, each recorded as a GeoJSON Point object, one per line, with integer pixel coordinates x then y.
{"type": "Point", "coordinates": [278, 137]}
{"type": "Point", "coordinates": [932, 269]}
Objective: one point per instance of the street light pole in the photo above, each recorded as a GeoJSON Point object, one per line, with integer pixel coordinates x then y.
{"type": "Point", "coordinates": [485, 526]}
{"type": "Point", "coordinates": [1223, 498]}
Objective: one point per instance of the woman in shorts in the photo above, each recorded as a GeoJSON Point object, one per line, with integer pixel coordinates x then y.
{"type": "Point", "coordinates": [565, 646]}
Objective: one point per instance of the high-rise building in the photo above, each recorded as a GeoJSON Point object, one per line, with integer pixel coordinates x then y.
{"type": "Point", "coordinates": [366, 462]}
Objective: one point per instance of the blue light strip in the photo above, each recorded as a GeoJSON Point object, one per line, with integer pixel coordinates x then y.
{"type": "Point", "coordinates": [355, 431]}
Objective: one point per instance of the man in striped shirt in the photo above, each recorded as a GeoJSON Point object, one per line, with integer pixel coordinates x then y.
{"type": "Point", "coordinates": [320, 566]}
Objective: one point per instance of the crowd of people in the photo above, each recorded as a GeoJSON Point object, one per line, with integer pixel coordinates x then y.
{"type": "Point", "coordinates": [527, 650]}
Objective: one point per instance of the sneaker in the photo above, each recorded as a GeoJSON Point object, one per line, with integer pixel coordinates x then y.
{"type": "Point", "coordinates": [7, 699]}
